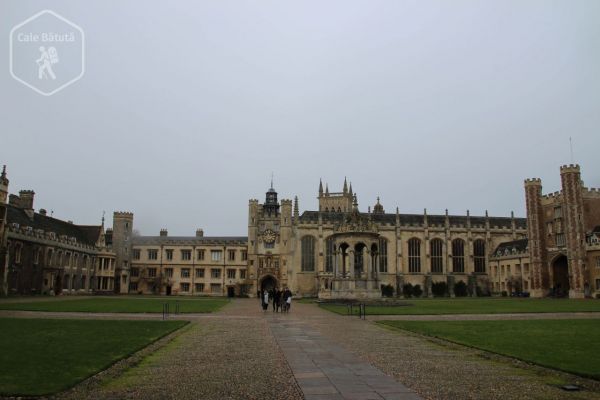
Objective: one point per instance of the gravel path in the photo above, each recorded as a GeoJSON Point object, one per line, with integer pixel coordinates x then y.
{"type": "Point", "coordinates": [225, 358]}
{"type": "Point", "coordinates": [439, 370]}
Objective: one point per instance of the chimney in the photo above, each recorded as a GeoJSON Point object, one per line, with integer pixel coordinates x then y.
{"type": "Point", "coordinates": [27, 199]}
{"type": "Point", "coordinates": [43, 212]}
{"type": "Point", "coordinates": [164, 232]}
{"type": "Point", "coordinates": [14, 200]}
{"type": "Point", "coordinates": [199, 232]}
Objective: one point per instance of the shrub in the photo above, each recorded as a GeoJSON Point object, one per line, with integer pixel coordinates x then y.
{"type": "Point", "coordinates": [417, 291]}
{"type": "Point", "coordinates": [387, 290]}
{"type": "Point", "coordinates": [504, 293]}
{"type": "Point", "coordinates": [439, 289]}
{"type": "Point", "coordinates": [482, 291]}
{"type": "Point", "coordinates": [407, 290]}
{"type": "Point", "coordinates": [460, 289]}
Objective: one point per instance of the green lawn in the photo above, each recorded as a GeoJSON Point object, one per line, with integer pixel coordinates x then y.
{"type": "Point", "coordinates": [567, 345]}
{"type": "Point", "coordinates": [476, 306]}
{"type": "Point", "coordinates": [120, 305]}
{"type": "Point", "coordinates": [43, 356]}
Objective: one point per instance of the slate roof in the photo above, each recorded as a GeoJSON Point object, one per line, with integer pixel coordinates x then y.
{"type": "Point", "coordinates": [190, 240]}
{"type": "Point", "coordinates": [514, 246]}
{"type": "Point", "coordinates": [416, 219]}
{"type": "Point", "coordinates": [86, 234]}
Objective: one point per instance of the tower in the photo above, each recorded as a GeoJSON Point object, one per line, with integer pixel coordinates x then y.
{"type": "Point", "coordinates": [121, 242]}
{"type": "Point", "coordinates": [3, 228]}
{"type": "Point", "coordinates": [271, 206]}
{"type": "Point", "coordinates": [535, 233]}
{"type": "Point", "coordinates": [336, 201]}
{"type": "Point", "coordinates": [572, 188]}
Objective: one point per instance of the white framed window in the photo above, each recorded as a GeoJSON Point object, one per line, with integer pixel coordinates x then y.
{"type": "Point", "coordinates": [215, 255]}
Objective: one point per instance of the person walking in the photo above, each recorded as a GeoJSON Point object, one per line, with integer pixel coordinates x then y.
{"type": "Point", "coordinates": [265, 300]}
{"type": "Point", "coordinates": [288, 301]}
{"type": "Point", "coordinates": [278, 295]}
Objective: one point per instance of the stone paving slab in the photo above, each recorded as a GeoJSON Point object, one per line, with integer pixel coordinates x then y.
{"type": "Point", "coordinates": [324, 370]}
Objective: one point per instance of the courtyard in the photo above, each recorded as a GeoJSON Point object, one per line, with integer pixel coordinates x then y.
{"type": "Point", "coordinates": [106, 348]}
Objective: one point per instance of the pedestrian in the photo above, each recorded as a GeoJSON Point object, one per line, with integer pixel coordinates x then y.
{"type": "Point", "coordinates": [272, 296]}
{"type": "Point", "coordinates": [265, 300]}
{"type": "Point", "coordinates": [288, 303]}
{"type": "Point", "coordinates": [278, 295]}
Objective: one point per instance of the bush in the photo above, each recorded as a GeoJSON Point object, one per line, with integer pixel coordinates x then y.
{"type": "Point", "coordinates": [417, 291]}
{"type": "Point", "coordinates": [482, 291]}
{"type": "Point", "coordinates": [439, 289]}
{"type": "Point", "coordinates": [387, 290]}
{"type": "Point", "coordinates": [460, 289]}
{"type": "Point", "coordinates": [504, 293]}
{"type": "Point", "coordinates": [407, 290]}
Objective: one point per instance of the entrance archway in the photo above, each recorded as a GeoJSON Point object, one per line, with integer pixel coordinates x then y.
{"type": "Point", "coordinates": [560, 274]}
{"type": "Point", "coordinates": [268, 283]}
{"type": "Point", "coordinates": [359, 262]}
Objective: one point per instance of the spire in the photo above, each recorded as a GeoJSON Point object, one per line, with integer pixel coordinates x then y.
{"type": "Point", "coordinates": [345, 186]}
{"type": "Point", "coordinates": [320, 187]}
{"type": "Point", "coordinates": [4, 172]}
{"type": "Point", "coordinates": [271, 180]}
{"type": "Point", "coordinates": [350, 187]}
{"type": "Point", "coordinates": [326, 189]}
{"type": "Point", "coordinates": [3, 178]}
{"type": "Point", "coordinates": [103, 212]}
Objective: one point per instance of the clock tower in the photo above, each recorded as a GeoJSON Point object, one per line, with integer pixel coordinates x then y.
{"type": "Point", "coordinates": [269, 242]}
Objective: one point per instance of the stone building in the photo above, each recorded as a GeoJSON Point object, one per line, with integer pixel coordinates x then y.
{"type": "Point", "coordinates": [341, 252]}
{"type": "Point", "coordinates": [40, 254]}
{"type": "Point", "coordinates": [561, 255]}
{"type": "Point", "coordinates": [336, 251]}
{"type": "Point", "coordinates": [189, 265]}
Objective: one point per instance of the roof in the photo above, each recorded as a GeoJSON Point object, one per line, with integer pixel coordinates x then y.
{"type": "Point", "coordinates": [86, 234]}
{"type": "Point", "coordinates": [417, 219]}
{"type": "Point", "coordinates": [512, 247]}
{"type": "Point", "coordinates": [190, 240]}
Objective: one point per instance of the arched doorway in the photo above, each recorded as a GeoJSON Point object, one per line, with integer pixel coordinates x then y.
{"type": "Point", "coordinates": [268, 283]}
{"type": "Point", "coordinates": [359, 262]}
{"type": "Point", "coordinates": [343, 249]}
{"type": "Point", "coordinates": [560, 274]}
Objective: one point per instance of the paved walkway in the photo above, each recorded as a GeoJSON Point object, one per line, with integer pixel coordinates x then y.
{"type": "Point", "coordinates": [327, 371]}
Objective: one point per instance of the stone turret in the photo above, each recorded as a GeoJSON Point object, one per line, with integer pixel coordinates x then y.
{"type": "Point", "coordinates": [572, 189]}
{"type": "Point", "coordinates": [122, 247]}
{"type": "Point", "coordinates": [535, 234]}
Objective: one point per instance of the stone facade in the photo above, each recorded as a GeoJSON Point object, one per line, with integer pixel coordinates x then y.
{"type": "Point", "coordinates": [561, 256]}
{"type": "Point", "coordinates": [340, 252]}
{"type": "Point", "coordinates": [40, 254]}
{"type": "Point", "coordinates": [337, 251]}
{"type": "Point", "coordinates": [189, 265]}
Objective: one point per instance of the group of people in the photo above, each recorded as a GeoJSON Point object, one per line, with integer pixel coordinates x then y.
{"type": "Point", "coordinates": [280, 299]}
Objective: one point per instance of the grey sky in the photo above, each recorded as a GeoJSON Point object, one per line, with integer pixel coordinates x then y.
{"type": "Point", "coordinates": [187, 107]}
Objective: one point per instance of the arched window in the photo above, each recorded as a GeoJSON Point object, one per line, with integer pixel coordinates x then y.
{"type": "Point", "coordinates": [479, 255]}
{"type": "Point", "coordinates": [329, 254]}
{"type": "Point", "coordinates": [308, 253]}
{"type": "Point", "coordinates": [383, 262]}
{"type": "Point", "coordinates": [414, 255]}
{"type": "Point", "coordinates": [437, 259]}
{"type": "Point", "coordinates": [458, 255]}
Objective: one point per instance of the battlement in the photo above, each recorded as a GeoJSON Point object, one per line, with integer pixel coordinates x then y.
{"type": "Point", "coordinates": [123, 214]}
{"type": "Point", "coordinates": [286, 202]}
{"type": "Point", "coordinates": [553, 195]}
{"type": "Point", "coordinates": [570, 168]}
{"type": "Point", "coordinates": [253, 201]}
{"type": "Point", "coordinates": [591, 192]}
{"type": "Point", "coordinates": [533, 182]}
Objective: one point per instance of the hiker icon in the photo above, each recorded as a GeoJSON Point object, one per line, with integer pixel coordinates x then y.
{"type": "Point", "coordinates": [45, 62]}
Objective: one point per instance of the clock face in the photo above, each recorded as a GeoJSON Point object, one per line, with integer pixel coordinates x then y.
{"type": "Point", "coordinates": [269, 236]}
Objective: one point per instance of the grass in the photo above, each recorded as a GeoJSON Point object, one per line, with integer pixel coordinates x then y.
{"type": "Point", "coordinates": [119, 305]}
{"type": "Point", "coordinates": [567, 345]}
{"type": "Point", "coordinates": [476, 306]}
{"type": "Point", "coordinates": [44, 356]}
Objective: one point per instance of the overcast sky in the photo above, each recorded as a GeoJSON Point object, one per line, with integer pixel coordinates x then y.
{"type": "Point", "coordinates": [186, 107]}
